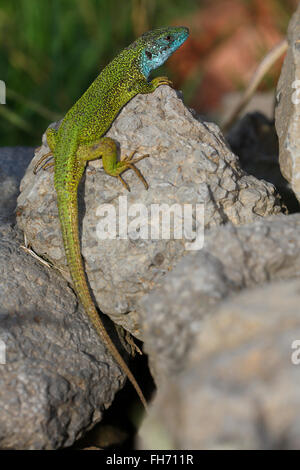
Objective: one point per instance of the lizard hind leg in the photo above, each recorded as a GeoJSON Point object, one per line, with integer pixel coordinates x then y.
{"type": "Point", "coordinates": [137, 172]}
{"type": "Point", "coordinates": [128, 163]}
{"type": "Point", "coordinates": [51, 141]}
{"type": "Point", "coordinates": [41, 160]}
{"type": "Point", "coordinates": [47, 165]}
{"type": "Point", "coordinates": [106, 149]}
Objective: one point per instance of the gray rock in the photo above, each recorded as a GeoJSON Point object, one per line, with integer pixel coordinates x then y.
{"type": "Point", "coordinates": [189, 163]}
{"type": "Point", "coordinates": [58, 377]}
{"type": "Point", "coordinates": [13, 163]}
{"type": "Point", "coordinates": [8, 196]}
{"type": "Point", "coordinates": [233, 258]}
{"type": "Point", "coordinates": [287, 112]}
{"type": "Point", "coordinates": [240, 385]}
{"type": "Point", "coordinates": [15, 160]}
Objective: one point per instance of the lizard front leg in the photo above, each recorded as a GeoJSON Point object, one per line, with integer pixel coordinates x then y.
{"type": "Point", "coordinates": [143, 86]}
{"type": "Point", "coordinates": [106, 149]}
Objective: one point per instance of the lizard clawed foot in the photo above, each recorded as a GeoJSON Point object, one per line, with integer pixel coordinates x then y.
{"type": "Point", "coordinates": [126, 186]}
{"type": "Point", "coordinates": [128, 162]}
{"type": "Point", "coordinates": [48, 165]}
{"type": "Point", "coordinates": [45, 165]}
{"type": "Point", "coordinates": [129, 157]}
{"type": "Point", "coordinates": [157, 81]}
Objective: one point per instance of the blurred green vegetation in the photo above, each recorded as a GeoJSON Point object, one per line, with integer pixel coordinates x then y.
{"type": "Point", "coordinates": [51, 50]}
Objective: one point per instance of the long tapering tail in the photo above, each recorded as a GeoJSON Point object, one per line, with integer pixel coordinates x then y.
{"type": "Point", "coordinates": [68, 214]}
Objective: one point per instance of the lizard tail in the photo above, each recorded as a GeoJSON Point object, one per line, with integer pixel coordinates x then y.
{"type": "Point", "coordinates": [68, 214]}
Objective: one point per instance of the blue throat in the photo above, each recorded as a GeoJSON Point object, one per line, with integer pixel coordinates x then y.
{"type": "Point", "coordinates": [160, 50]}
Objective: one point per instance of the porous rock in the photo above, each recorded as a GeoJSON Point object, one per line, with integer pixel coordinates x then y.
{"type": "Point", "coordinates": [233, 258]}
{"type": "Point", "coordinates": [287, 111]}
{"type": "Point", "coordinates": [240, 385]}
{"type": "Point", "coordinates": [56, 377]}
{"type": "Point", "coordinates": [189, 163]}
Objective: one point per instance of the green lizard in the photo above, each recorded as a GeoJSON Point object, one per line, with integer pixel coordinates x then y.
{"type": "Point", "coordinates": [80, 139]}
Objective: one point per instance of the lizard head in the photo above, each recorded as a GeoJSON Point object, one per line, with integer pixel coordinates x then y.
{"type": "Point", "coordinates": [158, 45]}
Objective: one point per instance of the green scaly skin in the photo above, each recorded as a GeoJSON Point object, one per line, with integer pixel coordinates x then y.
{"type": "Point", "coordinates": [80, 139]}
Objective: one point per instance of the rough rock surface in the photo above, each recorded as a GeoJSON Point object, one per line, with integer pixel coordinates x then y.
{"type": "Point", "coordinates": [233, 258]}
{"type": "Point", "coordinates": [287, 112]}
{"type": "Point", "coordinates": [58, 377]}
{"type": "Point", "coordinates": [189, 163]}
{"type": "Point", "coordinates": [13, 162]}
{"type": "Point", "coordinates": [240, 385]}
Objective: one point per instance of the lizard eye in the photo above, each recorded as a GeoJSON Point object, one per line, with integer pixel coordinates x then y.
{"type": "Point", "coordinates": [168, 38]}
{"type": "Point", "coordinates": [148, 54]}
